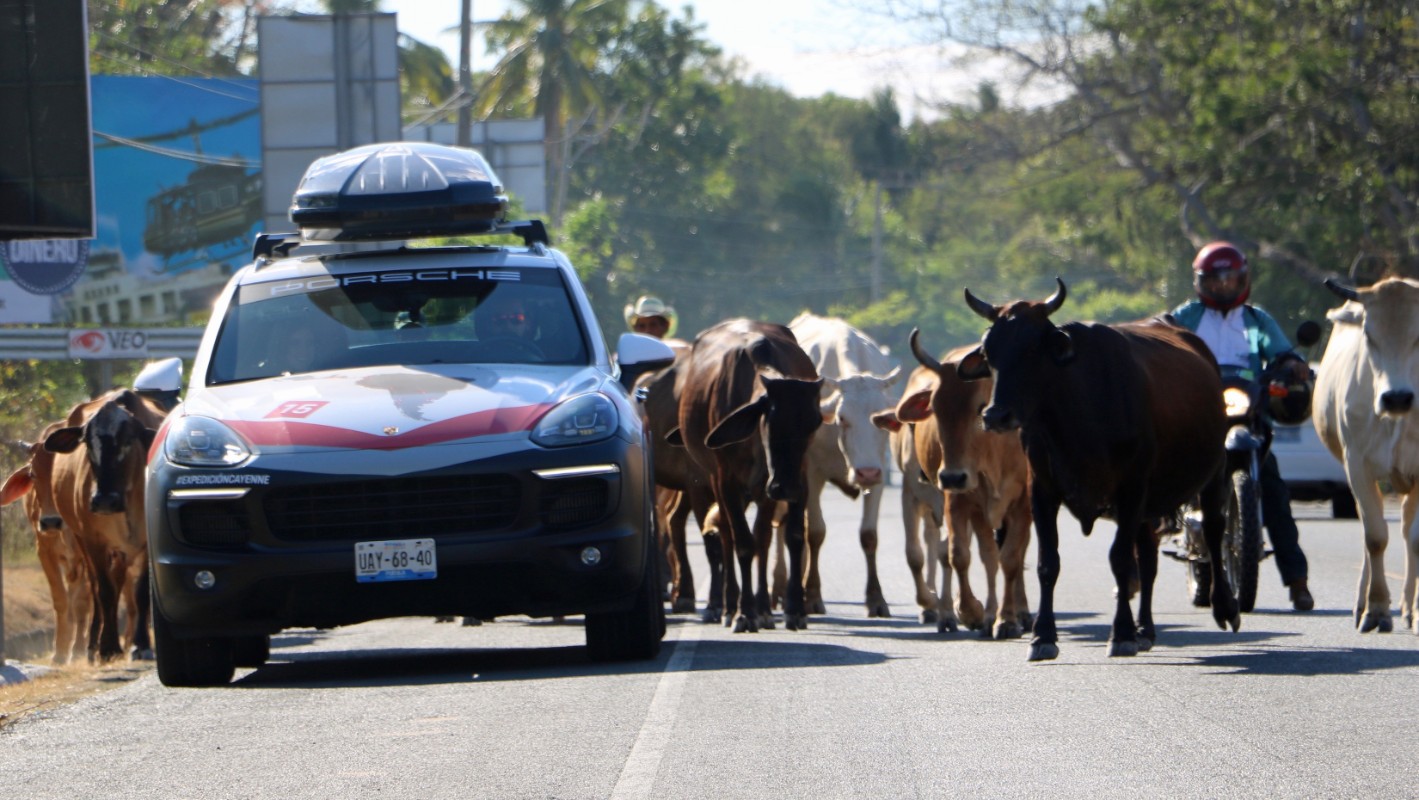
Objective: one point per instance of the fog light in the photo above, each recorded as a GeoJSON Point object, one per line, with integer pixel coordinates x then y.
{"type": "Point", "coordinates": [204, 580]}
{"type": "Point", "coordinates": [591, 556]}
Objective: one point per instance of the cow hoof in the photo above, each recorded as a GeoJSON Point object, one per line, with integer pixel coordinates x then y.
{"type": "Point", "coordinates": [683, 605]}
{"type": "Point", "coordinates": [816, 606]}
{"type": "Point", "coordinates": [946, 624]}
{"type": "Point", "coordinates": [1225, 618]}
{"type": "Point", "coordinates": [142, 654]}
{"type": "Point", "coordinates": [711, 616]}
{"type": "Point", "coordinates": [1044, 651]}
{"type": "Point", "coordinates": [928, 616]}
{"type": "Point", "coordinates": [474, 622]}
{"type": "Point", "coordinates": [1008, 630]}
{"type": "Point", "coordinates": [878, 609]}
{"type": "Point", "coordinates": [745, 624]}
{"type": "Point", "coordinates": [1122, 649]}
{"type": "Point", "coordinates": [1380, 622]}
{"type": "Point", "coordinates": [766, 622]}
{"type": "Point", "coordinates": [795, 622]}
{"type": "Point", "coordinates": [1144, 644]}
{"type": "Point", "coordinates": [1027, 622]}
{"type": "Point", "coordinates": [443, 619]}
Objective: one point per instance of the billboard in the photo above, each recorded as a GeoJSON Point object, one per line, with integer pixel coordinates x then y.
{"type": "Point", "coordinates": [178, 186]}
{"type": "Point", "coordinates": [46, 181]}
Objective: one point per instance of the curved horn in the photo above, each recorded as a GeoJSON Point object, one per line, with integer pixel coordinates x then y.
{"type": "Point", "coordinates": [981, 307]}
{"type": "Point", "coordinates": [1343, 292]}
{"type": "Point", "coordinates": [926, 359]}
{"type": "Point", "coordinates": [1054, 301]}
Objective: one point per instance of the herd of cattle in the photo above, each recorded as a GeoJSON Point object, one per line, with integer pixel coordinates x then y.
{"type": "Point", "coordinates": [1121, 421]}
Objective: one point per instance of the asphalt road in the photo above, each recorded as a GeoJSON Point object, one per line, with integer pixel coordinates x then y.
{"type": "Point", "coordinates": [1293, 705]}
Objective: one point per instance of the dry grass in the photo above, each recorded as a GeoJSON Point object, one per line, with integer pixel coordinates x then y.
{"type": "Point", "coordinates": [26, 602]}
{"type": "Point", "coordinates": [62, 686]}
{"type": "Point", "coordinates": [28, 610]}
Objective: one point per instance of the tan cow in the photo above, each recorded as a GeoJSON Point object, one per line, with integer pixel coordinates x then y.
{"type": "Point", "coordinates": [98, 480]}
{"type": "Point", "coordinates": [1363, 410]}
{"type": "Point", "coordinates": [60, 556]}
{"type": "Point", "coordinates": [985, 477]}
{"type": "Point", "coordinates": [922, 510]}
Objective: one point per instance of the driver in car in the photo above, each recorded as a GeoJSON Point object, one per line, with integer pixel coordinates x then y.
{"type": "Point", "coordinates": [505, 316]}
{"type": "Point", "coordinates": [1244, 339]}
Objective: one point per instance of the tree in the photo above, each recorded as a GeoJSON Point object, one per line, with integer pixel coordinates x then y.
{"type": "Point", "coordinates": [550, 53]}
{"type": "Point", "coordinates": [1283, 127]}
{"type": "Point", "coordinates": [165, 37]}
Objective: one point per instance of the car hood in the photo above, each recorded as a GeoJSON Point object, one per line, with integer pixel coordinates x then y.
{"type": "Point", "coordinates": [391, 409]}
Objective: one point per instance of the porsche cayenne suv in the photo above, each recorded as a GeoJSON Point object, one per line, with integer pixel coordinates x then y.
{"type": "Point", "coordinates": [386, 431]}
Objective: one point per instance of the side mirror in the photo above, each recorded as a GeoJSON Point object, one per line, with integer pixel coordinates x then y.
{"type": "Point", "coordinates": [638, 354]}
{"type": "Point", "coordinates": [1307, 333]}
{"type": "Point", "coordinates": [160, 381]}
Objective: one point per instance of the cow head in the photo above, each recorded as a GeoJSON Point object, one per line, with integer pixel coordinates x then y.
{"type": "Point", "coordinates": [957, 406]}
{"type": "Point", "coordinates": [1021, 349]}
{"type": "Point", "coordinates": [849, 407]}
{"type": "Point", "coordinates": [112, 435]}
{"type": "Point", "coordinates": [1388, 317]}
{"type": "Point", "coordinates": [788, 411]}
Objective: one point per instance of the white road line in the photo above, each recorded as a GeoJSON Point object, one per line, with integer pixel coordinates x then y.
{"type": "Point", "coordinates": [638, 776]}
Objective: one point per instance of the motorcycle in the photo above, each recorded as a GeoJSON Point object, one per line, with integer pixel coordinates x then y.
{"type": "Point", "coordinates": [1248, 403]}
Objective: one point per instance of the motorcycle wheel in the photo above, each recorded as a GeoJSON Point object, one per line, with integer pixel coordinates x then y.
{"type": "Point", "coordinates": [1243, 545]}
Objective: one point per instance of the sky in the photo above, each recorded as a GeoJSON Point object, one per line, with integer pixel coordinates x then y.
{"type": "Point", "coordinates": [808, 47]}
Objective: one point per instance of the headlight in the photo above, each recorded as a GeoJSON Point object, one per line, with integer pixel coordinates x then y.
{"type": "Point", "coordinates": [578, 420]}
{"type": "Point", "coordinates": [205, 442]}
{"type": "Point", "coordinates": [1237, 401]}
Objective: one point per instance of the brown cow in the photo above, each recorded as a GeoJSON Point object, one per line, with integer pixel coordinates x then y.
{"type": "Point", "coordinates": [98, 482]}
{"type": "Point", "coordinates": [1117, 420]}
{"type": "Point", "coordinates": [985, 478]}
{"type": "Point", "coordinates": [66, 571]}
{"type": "Point", "coordinates": [748, 411]}
{"type": "Point", "coordinates": [681, 488]}
{"type": "Point", "coordinates": [922, 509]}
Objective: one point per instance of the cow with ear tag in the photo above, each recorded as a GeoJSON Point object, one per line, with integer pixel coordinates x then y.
{"type": "Point", "coordinates": [748, 411]}
{"type": "Point", "coordinates": [1123, 421]}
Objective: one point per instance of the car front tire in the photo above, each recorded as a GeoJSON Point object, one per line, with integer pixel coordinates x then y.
{"type": "Point", "coordinates": [632, 635]}
{"type": "Point", "coordinates": [189, 662]}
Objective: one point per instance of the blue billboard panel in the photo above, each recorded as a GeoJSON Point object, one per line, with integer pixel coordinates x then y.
{"type": "Point", "coordinates": [177, 175]}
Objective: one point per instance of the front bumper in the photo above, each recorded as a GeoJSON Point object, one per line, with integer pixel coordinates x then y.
{"type": "Point", "coordinates": [282, 557]}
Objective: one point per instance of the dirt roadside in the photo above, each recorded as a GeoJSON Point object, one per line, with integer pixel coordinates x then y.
{"type": "Point", "coordinates": [29, 631]}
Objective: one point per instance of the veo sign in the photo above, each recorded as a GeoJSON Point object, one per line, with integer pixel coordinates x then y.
{"type": "Point", "coordinates": [110, 343]}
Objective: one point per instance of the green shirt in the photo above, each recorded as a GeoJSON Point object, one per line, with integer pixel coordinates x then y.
{"type": "Point", "coordinates": [1264, 335]}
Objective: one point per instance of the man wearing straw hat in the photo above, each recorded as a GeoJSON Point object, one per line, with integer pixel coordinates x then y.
{"type": "Point", "coordinates": [651, 316]}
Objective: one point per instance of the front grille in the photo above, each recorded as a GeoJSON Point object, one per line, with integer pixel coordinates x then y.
{"type": "Point", "coordinates": [214, 523]}
{"type": "Point", "coordinates": [570, 503]}
{"type": "Point", "coordinates": [392, 508]}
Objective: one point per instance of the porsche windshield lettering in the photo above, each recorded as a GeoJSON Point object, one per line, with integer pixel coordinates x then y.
{"type": "Point", "coordinates": [319, 283]}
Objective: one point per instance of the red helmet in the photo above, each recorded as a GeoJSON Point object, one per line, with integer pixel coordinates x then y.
{"type": "Point", "coordinates": [1221, 276]}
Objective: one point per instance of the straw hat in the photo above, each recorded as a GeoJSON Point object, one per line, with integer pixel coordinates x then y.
{"type": "Point", "coordinates": [649, 306]}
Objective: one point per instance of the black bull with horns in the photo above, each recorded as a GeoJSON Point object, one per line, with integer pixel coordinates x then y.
{"type": "Point", "coordinates": [1120, 420]}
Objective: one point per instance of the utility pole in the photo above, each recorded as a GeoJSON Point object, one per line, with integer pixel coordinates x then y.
{"type": "Point", "coordinates": [465, 76]}
{"type": "Point", "coordinates": [875, 292]}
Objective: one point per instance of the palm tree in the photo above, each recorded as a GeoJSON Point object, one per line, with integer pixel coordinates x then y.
{"type": "Point", "coordinates": [550, 50]}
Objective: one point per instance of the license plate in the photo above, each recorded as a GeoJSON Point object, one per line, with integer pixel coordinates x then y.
{"type": "Point", "coordinates": [396, 560]}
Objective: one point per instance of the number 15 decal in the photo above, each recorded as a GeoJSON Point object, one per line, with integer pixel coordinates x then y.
{"type": "Point", "coordinates": [296, 409]}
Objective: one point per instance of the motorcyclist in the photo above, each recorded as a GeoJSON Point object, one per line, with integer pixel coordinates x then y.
{"type": "Point", "coordinates": [1245, 339]}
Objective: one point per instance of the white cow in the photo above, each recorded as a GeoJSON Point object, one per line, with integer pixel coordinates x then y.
{"type": "Point", "coordinates": [1364, 411]}
{"type": "Point", "coordinates": [848, 451]}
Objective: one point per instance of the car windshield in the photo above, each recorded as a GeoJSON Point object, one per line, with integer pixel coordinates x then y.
{"type": "Point", "coordinates": [441, 316]}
